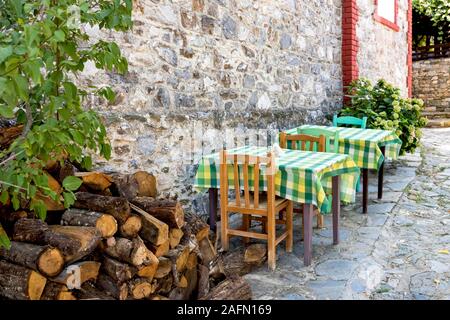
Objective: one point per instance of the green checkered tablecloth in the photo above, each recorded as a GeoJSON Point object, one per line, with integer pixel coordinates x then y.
{"type": "Point", "coordinates": [363, 145]}
{"type": "Point", "coordinates": [302, 176]}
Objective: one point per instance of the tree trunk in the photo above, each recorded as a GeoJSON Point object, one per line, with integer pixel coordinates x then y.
{"type": "Point", "coordinates": [131, 251]}
{"type": "Point", "coordinates": [232, 288]}
{"type": "Point", "coordinates": [44, 259]}
{"type": "Point", "coordinates": [175, 236]}
{"type": "Point", "coordinates": [168, 211]}
{"type": "Point", "coordinates": [112, 287]}
{"type": "Point", "coordinates": [140, 288]}
{"type": "Point", "coordinates": [153, 230]}
{"type": "Point", "coordinates": [117, 270]}
{"type": "Point", "coordinates": [105, 223]}
{"type": "Point", "coordinates": [56, 291]}
{"type": "Point", "coordinates": [78, 273]}
{"type": "Point", "coordinates": [196, 226]}
{"type": "Point", "coordinates": [117, 207]}
{"type": "Point", "coordinates": [20, 283]}
{"type": "Point", "coordinates": [88, 238]}
{"type": "Point", "coordinates": [160, 250]}
{"type": "Point", "coordinates": [95, 181]}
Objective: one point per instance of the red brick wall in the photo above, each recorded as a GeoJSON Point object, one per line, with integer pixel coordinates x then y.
{"type": "Point", "coordinates": [409, 57]}
{"type": "Point", "coordinates": [350, 43]}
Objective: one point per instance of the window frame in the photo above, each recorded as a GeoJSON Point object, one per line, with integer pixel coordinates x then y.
{"type": "Point", "coordinates": [392, 25]}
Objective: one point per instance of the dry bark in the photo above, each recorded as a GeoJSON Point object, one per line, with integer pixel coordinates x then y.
{"type": "Point", "coordinates": [232, 288]}
{"type": "Point", "coordinates": [153, 230]}
{"type": "Point", "coordinates": [112, 287]}
{"type": "Point", "coordinates": [168, 211]}
{"type": "Point", "coordinates": [117, 270]}
{"type": "Point", "coordinates": [117, 207]}
{"type": "Point", "coordinates": [20, 283]}
{"type": "Point", "coordinates": [105, 223]}
{"type": "Point", "coordinates": [44, 259]}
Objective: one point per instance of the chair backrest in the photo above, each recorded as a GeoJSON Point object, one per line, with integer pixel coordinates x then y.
{"type": "Point", "coordinates": [349, 121]}
{"type": "Point", "coordinates": [238, 161]}
{"type": "Point", "coordinates": [331, 137]}
{"type": "Point", "coordinates": [302, 142]}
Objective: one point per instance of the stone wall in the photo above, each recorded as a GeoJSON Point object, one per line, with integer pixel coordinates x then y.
{"type": "Point", "coordinates": [201, 68]}
{"type": "Point", "coordinates": [431, 83]}
{"type": "Point", "coordinates": [383, 51]}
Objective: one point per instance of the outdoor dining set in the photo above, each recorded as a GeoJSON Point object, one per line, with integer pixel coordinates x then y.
{"type": "Point", "coordinates": [313, 170]}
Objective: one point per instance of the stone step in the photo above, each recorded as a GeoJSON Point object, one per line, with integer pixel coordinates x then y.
{"type": "Point", "coordinates": [439, 123]}
{"type": "Point", "coordinates": [436, 114]}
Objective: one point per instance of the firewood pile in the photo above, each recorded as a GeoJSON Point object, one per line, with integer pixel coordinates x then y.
{"type": "Point", "coordinates": [118, 241]}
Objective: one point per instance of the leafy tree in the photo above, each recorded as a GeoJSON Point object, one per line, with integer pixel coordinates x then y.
{"type": "Point", "coordinates": [437, 10]}
{"type": "Point", "coordinates": [43, 45]}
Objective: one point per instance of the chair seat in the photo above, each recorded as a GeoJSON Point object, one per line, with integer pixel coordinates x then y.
{"type": "Point", "coordinates": [279, 202]}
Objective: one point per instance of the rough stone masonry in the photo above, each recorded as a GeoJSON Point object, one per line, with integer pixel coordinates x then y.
{"type": "Point", "coordinates": [206, 72]}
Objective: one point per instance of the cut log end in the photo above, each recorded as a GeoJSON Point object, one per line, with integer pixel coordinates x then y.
{"type": "Point", "coordinates": [51, 262]}
{"type": "Point", "coordinates": [107, 225]}
{"type": "Point", "coordinates": [131, 227]}
{"type": "Point", "coordinates": [36, 285]}
{"type": "Point", "coordinates": [140, 289]}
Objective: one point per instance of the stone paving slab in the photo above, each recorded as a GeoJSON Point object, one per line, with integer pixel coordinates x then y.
{"type": "Point", "coordinates": [396, 251]}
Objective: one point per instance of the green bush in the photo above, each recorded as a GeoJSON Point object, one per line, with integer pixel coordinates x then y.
{"type": "Point", "coordinates": [385, 109]}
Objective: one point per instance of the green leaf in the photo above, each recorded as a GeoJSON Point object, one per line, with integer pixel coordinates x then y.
{"type": "Point", "coordinates": [69, 199]}
{"type": "Point", "coordinates": [4, 196]}
{"type": "Point", "coordinates": [39, 209]}
{"type": "Point", "coordinates": [72, 183]}
{"type": "Point", "coordinates": [4, 240]}
{"type": "Point", "coordinates": [5, 52]}
{"type": "Point", "coordinates": [21, 85]}
{"type": "Point", "coordinates": [6, 111]}
{"type": "Point", "coordinates": [59, 36]}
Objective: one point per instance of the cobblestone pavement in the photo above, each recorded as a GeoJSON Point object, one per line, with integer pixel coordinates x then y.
{"type": "Point", "coordinates": [399, 250]}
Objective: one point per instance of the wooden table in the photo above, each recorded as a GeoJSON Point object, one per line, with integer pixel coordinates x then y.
{"type": "Point", "coordinates": [368, 148]}
{"type": "Point", "coordinates": [323, 171]}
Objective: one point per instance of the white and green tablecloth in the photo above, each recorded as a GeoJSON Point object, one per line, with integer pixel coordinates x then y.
{"type": "Point", "coordinates": [302, 176]}
{"type": "Point", "coordinates": [363, 145]}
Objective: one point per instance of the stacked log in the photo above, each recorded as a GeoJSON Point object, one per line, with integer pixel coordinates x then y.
{"type": "Point", "coordinates": [117, 241]}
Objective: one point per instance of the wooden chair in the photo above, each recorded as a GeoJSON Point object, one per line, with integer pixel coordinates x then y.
{"type": "Point", "coordinates": [254, 208]}
{"type": "Point", "coordinates": [349, 121]}
{"type": "Point", "coordinates": [306, 143]}
{"type": "Point", "coordinates": [354, 122]}
{"type": "Point", "coordinates": [331, 137]}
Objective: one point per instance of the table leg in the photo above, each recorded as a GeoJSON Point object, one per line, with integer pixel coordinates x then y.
{"type": "Point", "coordinates": [212, 208]}
{"type": "Point", "coordinates": [365, 188]}
{"type": "Point", "coordinates": [308, 213]}
{"type": "Point", "coordinates": [380, 174]}
{"type": "Point", "coordinates": [336, 208]}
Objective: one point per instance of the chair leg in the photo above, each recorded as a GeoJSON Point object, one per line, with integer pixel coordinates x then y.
{"type": "Point", "coordinates": [271, 249]}
{"type": "Point", "coordinates": [289, 228]}
{"type": "Point", "coordinates": [303, 227]}
{"type": "Point", "coordinates": [319, 221]}
{"type": "Point", "coordinates": [224, 229]}
{"type": "Point", "coordinates": [246, 221]}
